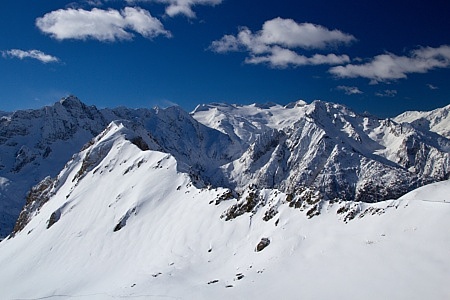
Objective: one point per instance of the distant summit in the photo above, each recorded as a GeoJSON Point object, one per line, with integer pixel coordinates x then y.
{"type": "Point", "coordinates": [71, 100]}
{"type": "Point", "coordinates": [437, 120]}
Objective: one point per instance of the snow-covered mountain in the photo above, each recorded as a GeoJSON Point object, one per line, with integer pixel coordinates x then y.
{"type": "Point", "coordinates": [321, 149]}
{"type": "Point", "coordinates": [437, 120]}
{"type": "Point", "coordinates": [328, 147]}
{"type": "Point", "coordinates": [123, 219]}
{"type": "Point", "coordinates": [37, 143]}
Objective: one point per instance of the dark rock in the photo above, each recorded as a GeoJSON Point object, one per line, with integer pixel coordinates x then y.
{"type": "Point", "coordinates": [239, 276]}
{"type": "Point", "coordinates": [55, 216]}
{"type": "Point", "coordinates": [262, 244]}
{"type": "Point", "coordinates": [140, 143]}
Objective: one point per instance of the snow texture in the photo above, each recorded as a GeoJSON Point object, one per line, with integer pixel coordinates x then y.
{"type": "Point", "coordinates": [437, 120]}
{"type": "Point", "coordinates": [122, 221]}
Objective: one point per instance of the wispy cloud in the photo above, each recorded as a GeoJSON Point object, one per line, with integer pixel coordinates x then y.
{"type": "Point", "coordinates": [34, 54]}
{"type": "Point", "coordinates": [277, 41]}
{"type": "Point", "coordinates": [387, 93]}
{"type": "Point", "coordinates": [388, 67]}
{"type": "Point", "coordinates": [103, 25]}
{"type": "Point", "coordinates": [432, 87]}
{"type": "Point", "coordinates": [180, 7]}
{"type": "Point", "coordinates": [349, 90]}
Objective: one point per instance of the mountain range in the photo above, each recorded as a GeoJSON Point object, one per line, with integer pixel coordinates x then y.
{"type": "Point", "coordinates": [240, 201]}
{"type": "Point", "coordinates": [321, 146]}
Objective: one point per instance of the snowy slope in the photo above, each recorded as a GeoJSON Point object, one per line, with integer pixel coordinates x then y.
{"type": "Point", "coordinates": [122, 222]}
{"type": "Point", "coordinates": [37, 143]}
{"type": "Point", "coordinates": [320, 146]}
{"type": "Point", "coordinates": [437, 120]}
{"type": "Point", "coordinates": [243, 123]}
{"type": "Point", "coordinates": [435, 192]}
{"type": "Point", "coordinates": [199, 150]}
{"type": "Point", "coordinates": [327, 146]}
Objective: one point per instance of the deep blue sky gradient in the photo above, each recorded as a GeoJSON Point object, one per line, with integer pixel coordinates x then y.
{"type": "Point", "coordinates": [181, 70]}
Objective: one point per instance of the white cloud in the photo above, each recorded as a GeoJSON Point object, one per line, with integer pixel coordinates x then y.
{"type": "Point", "coordinates": [349, 90]}
{"type": "Point", "coordinates": [94, 2]}
{"type": "Point", "coordinates": [228, 43]}
{"type": "Point", "coordinates": [35, 54]}
{"type": "Point", "coordinates": [276, 42]}
{"type": "Point", "coordinates": [282, 58]}
{"type": "Point", "coordinates": [432, 87]}
{"type": "Point", "coordinates": [288, 33]}
{"type": "Point", "coordinates": [387, 67]}
{"type": "Point", "coordinates": [103, 25]}
{"type": "Point", "coordinates": [180, 7]}
{"type": "Point", "coordinates": [387, 93]}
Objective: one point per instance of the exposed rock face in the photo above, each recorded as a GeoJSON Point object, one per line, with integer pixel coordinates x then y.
{"type": "Point", "coordinates": [37, 197]}
{"type": "Point", "coordinates": [262, 244]}
{"type": "Point", "coordinates": [35, 144]}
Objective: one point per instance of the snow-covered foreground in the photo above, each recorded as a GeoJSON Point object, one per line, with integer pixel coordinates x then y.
{"type": "Point", "coordinates": [129, 225]}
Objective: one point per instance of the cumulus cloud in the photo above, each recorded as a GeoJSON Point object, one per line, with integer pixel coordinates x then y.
{"type": "Point", "coordinates": [387, 93]}
{"type": "Point", "coordinates": [349, 90]}
{"type": "Point", "coordinates": [180, 7]}
{"type": "Point", "coordinates": [276, 43]}
{"type": "Point", "coordinates": [103, 25]}
{"type": "Point", "coordinates": [388, 66]}
{"type": "Point", "coordinates": [432, 87]}
{"type": "Point", "coordinates": [288, 33]}
{"type": "Point", "coordinates": [34, 54]}
{"type": "Point", "coordinates": [282, 58]}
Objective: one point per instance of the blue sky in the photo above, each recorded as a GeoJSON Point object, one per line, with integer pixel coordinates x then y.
{"type": "Point", "coordinates": [377, 56]}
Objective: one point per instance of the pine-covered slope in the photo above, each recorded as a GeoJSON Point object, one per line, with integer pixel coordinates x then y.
{"type": "Point", "coordinates": [121, 221]}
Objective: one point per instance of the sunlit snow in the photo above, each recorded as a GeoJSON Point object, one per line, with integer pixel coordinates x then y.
{"type": "Point", "coordinates": [174, 244]}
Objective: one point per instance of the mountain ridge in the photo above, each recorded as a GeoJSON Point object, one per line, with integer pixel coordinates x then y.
{"type": "Point", "coordinates": [158, 205]}
{"type": "Point", "coordinates": [437, 120]}
{"type": "Point", "coordinates": [156, 233]}
{"type": "Point", "coordinates": [323, 146]}
{"type": "Point", "coordinates": [339, 132]}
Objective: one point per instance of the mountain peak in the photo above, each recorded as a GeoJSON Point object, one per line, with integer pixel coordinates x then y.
{"type": "Point", "coordinates": [71, 101]}
{"type": "Point", "coordinates": [298, 103]}
{"type": "Point", "coordinates": [437, 120]}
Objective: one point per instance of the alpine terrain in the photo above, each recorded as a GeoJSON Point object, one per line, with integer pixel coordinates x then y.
{"type": "Point", "coordinates": [303, 201]}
